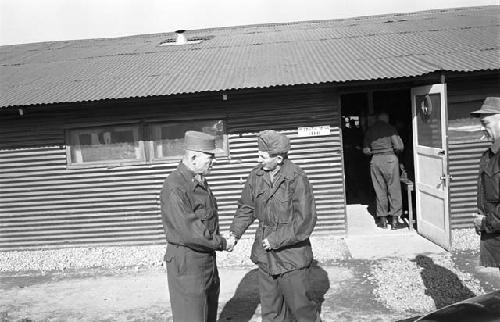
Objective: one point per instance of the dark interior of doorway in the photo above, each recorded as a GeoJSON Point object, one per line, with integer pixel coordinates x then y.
{"type": "Point", "coordinates": [358, 113]}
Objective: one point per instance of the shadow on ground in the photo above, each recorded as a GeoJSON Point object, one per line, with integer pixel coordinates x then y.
{"type": "Point", "coordinates": [409, 320]}
{"type": "Point", "coordinates": [442, 285]}
{"type": "Point", "coordinates": [243, 305]}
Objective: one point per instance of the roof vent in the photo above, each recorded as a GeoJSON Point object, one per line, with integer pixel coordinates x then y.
{"type": "Point", "coordinates": [181, 39]}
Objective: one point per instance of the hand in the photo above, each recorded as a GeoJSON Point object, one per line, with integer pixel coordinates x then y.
{"type": "Point", "coordinates": [231, 241]}
{"type": "Point", "coordinates": [266, 244]}
{"type": "Point", "coordinates": [478, 221]}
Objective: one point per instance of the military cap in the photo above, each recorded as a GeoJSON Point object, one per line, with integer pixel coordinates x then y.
{"type": "Point", "coordinates": [491, 105]}
{"type": "Point", "coordinates": [273, 142]}
{"type": "Point", "coordinates": [199, 141]}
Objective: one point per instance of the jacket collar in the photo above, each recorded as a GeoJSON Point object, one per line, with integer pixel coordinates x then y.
{"type": "Point", "coordinates": [190, 176]}
{"type": "Point", "coordinates": [495, 146]}
{"type": "Point", "coordinates": [185, 172]}
{"type": "Point", "coordinates": [287, 171]}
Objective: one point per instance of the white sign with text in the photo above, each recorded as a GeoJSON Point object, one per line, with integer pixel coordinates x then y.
{"type": "Point", "coordinates": [313, 131]}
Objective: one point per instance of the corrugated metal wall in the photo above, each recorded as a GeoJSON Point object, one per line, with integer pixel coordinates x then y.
{"type": "Point", "coordinates": [43, 204]}
{"type": "Point", "coordinates": [465, 146]}
{"type": "Point", "coordinates": [464, 166]}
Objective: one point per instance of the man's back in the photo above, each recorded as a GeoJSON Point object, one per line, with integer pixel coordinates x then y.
{"type": "Point", "coordinates": [382, 138]}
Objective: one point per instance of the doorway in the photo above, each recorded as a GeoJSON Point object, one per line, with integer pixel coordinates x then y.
{"type": "Point", "coordinates": [358, 113]}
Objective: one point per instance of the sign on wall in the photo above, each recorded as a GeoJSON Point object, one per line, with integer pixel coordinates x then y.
{"type": "Point", "coordinates": [313, 131]}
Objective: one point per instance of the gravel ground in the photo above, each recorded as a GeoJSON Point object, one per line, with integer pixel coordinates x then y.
{"type": "Point", "coordinates": [422, 284]}
{"type": "Point", "coordinates": [325, 249]}
{"type": "Point", "coordinates": [427, 282]}
{"type": "Point", "coordinates": [465, 239]}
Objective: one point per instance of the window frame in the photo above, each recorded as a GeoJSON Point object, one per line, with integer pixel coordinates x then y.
{"type": "Point", "coordinates": [171, 159]}
{"type": "Point", "coordinates": [144, 134]}
{"type": "Point", "coordinates": [138, 137]}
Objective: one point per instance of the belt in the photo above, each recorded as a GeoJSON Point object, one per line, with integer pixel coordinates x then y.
{"type": "Point", "coordinates": [273, 226]}
{"type": "Point", "coordinates": [186, 247]}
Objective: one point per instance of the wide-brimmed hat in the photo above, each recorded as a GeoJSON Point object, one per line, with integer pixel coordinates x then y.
{"type": "Point", "coordinates": [199, 141]}
{"type": "Point", "coordinates": [491, 105]}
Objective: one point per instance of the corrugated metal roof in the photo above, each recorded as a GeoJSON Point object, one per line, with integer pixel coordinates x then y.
{"type": "Point", "coordinates": [257, 56]}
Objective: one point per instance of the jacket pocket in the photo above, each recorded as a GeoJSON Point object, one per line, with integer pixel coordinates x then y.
{"type": "Point", "coordinates": [175, 258]}
{"type": "Point", "coordinates": [283, 209]}
{"type": "Point", "coordinates": [259, 194]}
{"type": "Point", "coordinates": [169, 255]}
{"type": "Point", "coordinates": [491, 186]}
{"type": "Point", "coordinates": [207, 218]}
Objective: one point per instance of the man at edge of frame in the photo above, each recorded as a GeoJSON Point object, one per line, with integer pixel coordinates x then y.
{"type": "Point", "coordinates": [487, 223]}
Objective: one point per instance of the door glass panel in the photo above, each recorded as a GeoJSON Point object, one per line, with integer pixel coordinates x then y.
{"type": "Point", "coordinates": [428, 108]}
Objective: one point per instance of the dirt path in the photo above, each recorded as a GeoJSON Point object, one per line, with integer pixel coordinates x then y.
{"type": "Point", "coordinates": [347, 290]}
{"type": "Point", "coordinates": [129, 295]}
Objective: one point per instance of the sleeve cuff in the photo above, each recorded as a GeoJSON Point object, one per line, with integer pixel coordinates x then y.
{"type": "Point", "coordinates": [223, 243]}
{"type": "Point", "coordinates": [235, 235]}
{"type": "Point", "coordinates": [272, 242]}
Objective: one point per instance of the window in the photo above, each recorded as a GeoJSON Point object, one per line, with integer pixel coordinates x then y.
{"type": "Point", "coordinates": [168, 138]}
{"type": "Point", "coordinates": [124, 144]}
{"type": "Point", "coordinates": [105, 145]}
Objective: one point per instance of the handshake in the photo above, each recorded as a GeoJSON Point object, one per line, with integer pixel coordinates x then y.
{"type": "Point", "coordinates": [231, 241]}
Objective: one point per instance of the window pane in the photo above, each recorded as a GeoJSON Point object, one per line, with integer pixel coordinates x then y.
{"type": "Point", "coordinates": [105, 145]}
{"type": "Point", "coordinates": [429, 120]}
{"type": "Point", "coordinates": [169, 138]}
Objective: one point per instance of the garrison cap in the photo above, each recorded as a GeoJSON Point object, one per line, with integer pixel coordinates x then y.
{"type": "Point", "coordinates": [273, 142]}
{"type": "Point", "coordinates": [199, 141]}
{"type": "Point", "coordinates": [491, 105]}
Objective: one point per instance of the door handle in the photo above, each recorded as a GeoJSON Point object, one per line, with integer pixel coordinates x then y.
{"type": "Point", "coordinates": [443, 177]}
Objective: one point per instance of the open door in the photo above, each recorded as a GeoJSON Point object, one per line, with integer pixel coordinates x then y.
{"type": "Point", "coordinates": [429, 111]}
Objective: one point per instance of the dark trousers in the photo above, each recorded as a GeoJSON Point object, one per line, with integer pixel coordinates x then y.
{"type": "Point", "coordinates": [489, 249]}
{"type": "Point", "coordinates": [193, 283]}
{"type": "Point", "coordinates": [287, 293]}
{"type": "Point", "coordinates": [384, 170]}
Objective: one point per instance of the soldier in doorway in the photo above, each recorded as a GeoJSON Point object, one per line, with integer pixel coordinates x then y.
{"type": "Point", "coordinates": [191, 224]}
{"type": "Point", "coordinates": [382, 142]}
{"type": "Point", "coordinates": [487, 223]}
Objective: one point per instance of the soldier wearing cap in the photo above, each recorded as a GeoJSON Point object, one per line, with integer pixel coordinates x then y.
{"type": "Point", "coordinates": [487, 223]}
{"type": "Point", "coordinates": [278, 194]}
{"type": "Point", "coordinates": [191, 224]}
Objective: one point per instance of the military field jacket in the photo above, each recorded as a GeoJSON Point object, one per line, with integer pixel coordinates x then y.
{"type": "Point", "coordinates": [189, 212]}
{"type": "Point", "coordinates": [488, 196]}
{"type": "Point", "coordinates": [287, 215]}
{"type": "Point", "coordinates": [382, 138]}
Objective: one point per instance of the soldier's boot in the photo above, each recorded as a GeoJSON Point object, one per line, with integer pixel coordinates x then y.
{"type": "Point", "coordinates": [383, 222]}
{"type": "Point", "coordinates": [395, 223]}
